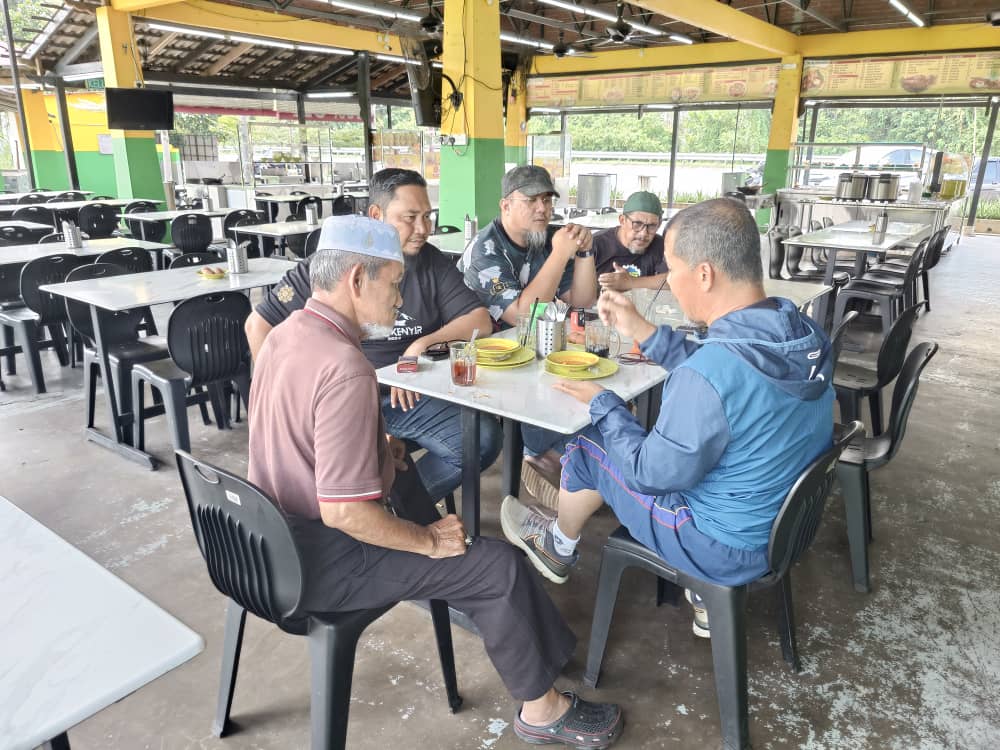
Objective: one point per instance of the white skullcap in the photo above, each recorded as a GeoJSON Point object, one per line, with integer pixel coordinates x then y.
{"type": "Point", "coordinates": [359, 234]}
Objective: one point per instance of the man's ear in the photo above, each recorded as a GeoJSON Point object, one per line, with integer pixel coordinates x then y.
{"type": "Point", "coordinates": [355, 280]}
{"type": "Point", "coordinates": [375, 211]}
{"type": "Point", "coordinates": [706, 276]}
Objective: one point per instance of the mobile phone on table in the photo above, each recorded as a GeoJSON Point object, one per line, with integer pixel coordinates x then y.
{"type": "Point", "coordinates": [436, 352]}
{"type": "Point", "coordinates": [406, 364]}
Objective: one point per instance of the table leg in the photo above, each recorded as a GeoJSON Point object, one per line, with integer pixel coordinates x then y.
{"type": "Point", "coordinates": [470, 470]}
{"type": "Point", "coordinates": [121, 424]}
{"type": "Point", "coordinates": [59, 742]}
{"type": "Point", "coordinates": [513, 453]}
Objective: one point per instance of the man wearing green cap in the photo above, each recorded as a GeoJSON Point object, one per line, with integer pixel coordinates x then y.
{"type": "Point", "coordinates": [631, 256]}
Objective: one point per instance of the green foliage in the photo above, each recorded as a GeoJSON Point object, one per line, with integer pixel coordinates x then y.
{"type": "Point", "coordinates": [956, 129]}
{"type": "Point", "coordinates": [988, 210]}
{"type": "Point", "coordinates": [686, 196]}
{"type": "Point", "coordinates": [223, 127]}
{"type": "Point", "coordinates": [21, 12]}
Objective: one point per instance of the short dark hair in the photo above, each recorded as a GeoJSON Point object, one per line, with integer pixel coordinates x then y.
{"type": "Point", "coordinates": [385, 182]}
{"type": "Point", "coordinates": [722, 233]}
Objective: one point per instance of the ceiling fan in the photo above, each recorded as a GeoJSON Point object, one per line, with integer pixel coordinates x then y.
{"type": "Point", "coordinates": [621, 30]}
{"type": "Point", "coordinates": [432, 22]}
{"type": "Point", "coordinates": [562, 49]}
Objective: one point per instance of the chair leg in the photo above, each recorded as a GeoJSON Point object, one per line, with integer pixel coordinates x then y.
{"type": "Point", "coordinates": [667, 592]}
{"type": "Point", "coordinates": [789, 644]}
{"type": "Point", "coordinates": [446, 651]}
{"type": "Point", "coordinates": [612, 566]}
{"type": "Point", "coordinates": [854, 487]}
{"type": "Point", "coordinates": [875, 407]}
{"type": "Point", "coordinates": [885, 307]}
{"type": "Point", "coordinates": [91, 371]}
{"type": "Point", "coordinates": [925, 278]}
{"type": "Point", "coordinates": [175, 406]}
{"type": "Point", "coordinates": [139, 412]}
{"type": "Point", "coordinates": [27, 338]}
{"type": "Point", "coordinates": [8, 344]}
{"type": "Point", "coordinates": [59, 343]}
{"type": "Point", "coordinates": [232, 643]}
{"type": "Point", "coordinates": [331, 656]}
{"type": "Point", "coordinates": [202, 407]}
{"type": "Point", "coordinates": [850, 405]}
{"type": "Point", "coordinates": [727, 613]}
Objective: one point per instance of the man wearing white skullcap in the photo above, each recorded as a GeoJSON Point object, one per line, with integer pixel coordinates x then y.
{"type": "Point", "coordinates": [318, 447]}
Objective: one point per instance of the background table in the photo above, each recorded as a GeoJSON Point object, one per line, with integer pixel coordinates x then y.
{"type": "Point", "coordinates": [450, 244]}
{"type": "Point", "coordinates": [8, 210]}
{"type": "Point", "coordinates": [279, 230]}
{"type": "Point", "coordinates": [13, 254]}
{"type": "Point", "coordinates": [31, 226]}
{"type": "Point", "coordinates": [75, 637]}
{"type": "Point", "coordinates": [15, 197]}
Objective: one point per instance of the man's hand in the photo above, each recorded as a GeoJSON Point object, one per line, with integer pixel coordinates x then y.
{"type": "Point", "coordinates": [617, 311]}
{"type": "Point", "coordinates": [618, 280]}
{"type": "Point", "coordinates": [404, 399]}
{"type": "Point", "coordinates": [417, 347]}
{"type": "Point", "coordinates": [447, 537]}
{"type": "Point", "coordinates": [582, 390]}
{"type": "Point", "coordinates": [571, 238]}
{"type": "Point", "coordinates": [397, 449]}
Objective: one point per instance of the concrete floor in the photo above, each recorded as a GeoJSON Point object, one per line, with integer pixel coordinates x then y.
{"type": "Point", "coordinates": [913, 665]}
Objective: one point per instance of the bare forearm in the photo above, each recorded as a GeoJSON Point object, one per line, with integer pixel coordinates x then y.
{"type": "Point", "coordinates": [257, 330]}
{"type": "Point", "coordinates": [369, 522]}
{"type": "Point", "coordinates": [583, 292]}
{"type": "Point", "coordinates": [650, 282]}
{"type": "Point", "coordinates": [543, 288]}
{"type": "Point", "coordinates": [460, 328]}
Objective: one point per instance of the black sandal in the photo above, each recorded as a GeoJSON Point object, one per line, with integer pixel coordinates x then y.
{"type": "Point", "coordinates": [584, 725]}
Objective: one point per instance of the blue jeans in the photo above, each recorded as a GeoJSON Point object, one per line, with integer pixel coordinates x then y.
{"type": "Point", "coordinates": [538, 440]}
{"type": "Point", "coordinates": [437, 426]}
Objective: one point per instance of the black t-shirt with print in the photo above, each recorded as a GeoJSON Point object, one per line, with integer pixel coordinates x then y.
{"type": "Point", "coordinates": [608, 251]}
{"type": "Point", "coordinates": [433, 292]}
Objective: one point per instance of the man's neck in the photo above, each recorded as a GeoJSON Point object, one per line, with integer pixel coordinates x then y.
{"type": "Point", "coordinates": [517, 237]}
{"type": "Point", "coordinates": [338, 303]}
{"type": "Point", "coordinates": [734, 298]}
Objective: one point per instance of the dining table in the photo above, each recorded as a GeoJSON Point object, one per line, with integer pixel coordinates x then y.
{"type": "Point", "coordinates": [6, 198]}
{"type": "Point", "coordinates": [30, 226]}
{"type": "Point", "coordinates": [76, 638]}
{"type": "Point", "coordinates": [450, 243]}
{"type": "Point", "coordinates": [56, 206]}
{"type": "Point", "coordinates": [14, 254]}
{"type": "Point", "coordinates": [149, 217]}
{"type": "Point", "coordinates": [129, 291]}
{"type": "Point", "coordinates": [278, 230]}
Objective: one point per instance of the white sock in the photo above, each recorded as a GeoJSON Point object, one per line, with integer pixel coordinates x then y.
{"type": "Point", "coordinates": [563, 544]}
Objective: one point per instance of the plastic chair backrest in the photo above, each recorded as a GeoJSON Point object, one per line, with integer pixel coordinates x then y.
{"type": "Point", "coordinates": [205, 336]}
{"type": "Point", "coordinates": [776, 257]}
{"type": "Point", "coordinates": [310, 200]}
{"type": "Point", "coordinates": [118, 327]}
{"type": "Point", "coordinates": [14, 236]}
{"type": "Point", "coordinates": [33, 213]}
{"type": "Point", "coordinates": [343, 205]}
{"type": "Point", "coordinates": [52, 237]}
{"type": "Point", "coordinates": [240, 214]}
{"type": "Point", "coordinates": [815, 225]}
{"type": "Point", "coordinates": [245, 540]}
{"type": "Point", "coordinates": [893, 350]}
{"type": "Point", "coordinates": [252, 241]}
{"type": "Point", "coordinates": [196, 259]}
{"type": "Point", "coordinates": [191, 233]}
{"type": "Point", "coordinates": [827, 222]}
{"type": "Point", "coordinates": [52, 269]}
{"type": "Point", "coordinates": [130, 259]}
{"type": "Point", "coordinates": [905, 391]}
{"type": "Point", "coordinates": [934, 249]}
{"type": "Point", "coordinates": [312, 242]}
{"type": "Point", "coordinates": [10, 282]}
{"type": "Point", "coordinates": [447, 229]}
{"type": "Point", "coordinates": [837, 339]}
{"type": "Point", "coordinates": [98, 220]}
{"type": "Point", "coordinates": [798, 519]}
{"type": "Point", "coordinates": [152, 230]}
{"type": "Point", "coordinates": [31, 198]}
{"type": "Point", "coordinates": [915, 264]}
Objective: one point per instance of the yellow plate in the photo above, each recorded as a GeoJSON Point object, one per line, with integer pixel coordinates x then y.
{"type": "Point", "coordinates": [571, 360]}
{"type": "Point", "coordinates": [495, 349]}
{"type": "Point", "coordinates": [602, 369]}
{"type": "Point", "coordinates": [521, 356]}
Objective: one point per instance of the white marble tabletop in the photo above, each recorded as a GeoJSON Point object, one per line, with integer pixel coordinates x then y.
{"type": "Point", "coordinates": [858, 242]}
{"type": "Point", "coordinates": [286, 198]}
{"type": "Point", "coordinates": [14, 197]}
{"type": "Point", "coordinates": [452, 244]}
{"type": "Point", "coordinates": [75, 637]}
{"type": "Point", "coordinates": [894, 227]}
{"type": "Point", "coordinates": [522, 393]}
{"type": "Point", "coordinates": [173, 285]}
{"type": "Point", "coordinates": [278, 229]}
{"type": "Point", "coordinates": [24, 253]}
{"type": "Point", "coordinates": [170, 215]}
{"type": "Point", "coordinates": [31, 226]}
{"type": "Point", "coordinates": [75, 205]}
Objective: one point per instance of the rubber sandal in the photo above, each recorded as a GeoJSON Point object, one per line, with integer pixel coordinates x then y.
{"type": "Point", "coordinates": [584, 725]}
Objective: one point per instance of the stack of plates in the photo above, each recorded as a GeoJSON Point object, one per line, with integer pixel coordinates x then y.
{"type": "Point", "coordinates": [519, 356]}
{"type": "Point", "coordinates": [601, 369]}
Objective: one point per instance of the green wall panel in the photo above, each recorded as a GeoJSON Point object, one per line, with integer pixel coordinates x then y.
{"type": "Point", "coordinates": [470, 180]}
{"type": "Point", "coordinates": [50, 170]}
{"type": "Point", "coordinates": [137, 169]}
{"type": "Point", "coordinates": [516, 154]}
{"type": "Point", "coordinates": [97, 172]}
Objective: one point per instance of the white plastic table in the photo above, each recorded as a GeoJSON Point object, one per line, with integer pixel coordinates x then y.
{"type": "Point", "coordinates": [75, 637]}
{"type": "Point", "coordinates": [279, 230]}
{"type": "Point", "coordinates": [452, 243]}
{"type": "Point", "coordinates": [31, 226]}
{"type": "Point", "coordinates": [15, 197]}
{"type": "Point", "coordinates": [14, 254]}
{"type": "Point", "coordinates": [9, 209]}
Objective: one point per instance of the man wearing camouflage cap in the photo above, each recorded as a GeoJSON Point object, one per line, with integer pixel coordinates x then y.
{"type": "Point", "coordinates": [630, 256]}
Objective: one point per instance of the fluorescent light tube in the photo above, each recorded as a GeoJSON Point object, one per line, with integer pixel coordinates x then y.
{"type": "Point", "coordinates": [682, 38]}
{"type": "Point", "coordinates": [377, 10]}
{"type": "Point", "coordinates": [184, 30]}
{"type": "Point", "coordinates": [324, 50]}
{"type": "Point", "coordinates": [899, 6]}
{"type": "Point", "coordinates": [330, 95]}
{"type": "Point", "coordinates": [574, 8]}
{"type": "Point", "coordinates": [915, 19]}
{"type": "Point", "coordinates": [262, 42]}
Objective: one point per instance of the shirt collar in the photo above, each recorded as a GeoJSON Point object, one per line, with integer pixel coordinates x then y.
{"type": "Point", "coordinates": [334, 319]}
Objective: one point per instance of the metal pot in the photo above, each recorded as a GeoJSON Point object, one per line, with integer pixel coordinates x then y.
{"type": "Point", "coordinates": [883, 187]}
{"type": "Point", "coordinates": [851, 186]}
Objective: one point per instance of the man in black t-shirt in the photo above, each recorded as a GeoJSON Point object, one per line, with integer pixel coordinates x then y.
{"type": "Point", "coordinates": [437, 306]}
{"type": "Point", "coordinates": [631, 255]}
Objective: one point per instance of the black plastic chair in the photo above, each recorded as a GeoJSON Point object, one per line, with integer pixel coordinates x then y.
{"type": "Point", "coordinates": [196, 259]}
{"type": "Point", "coordinates": [854, 382]}
{"type": "Point", "coordinates": [865, 454]}
{"type": "Point", "coordinates": [892, 296]}
{"type": "Point", "coordinates": [239, 215]}
{"type": "Point", "coordinates": [191, 233]}
{"type": "Point", "coordinates": [209, 349]}
{"type": "Point", "coordinates": [837, 338]}
{"type": "Point", "coordinates": [446, 229]}
{"type": "Point", "coordinates": [31, 198]}
{"type": "Point", "coordinates": [52, 237]}
{"type": "Point", "coordinates": [897, 266]}
{"type": "Point", "coordinates": [153, 231]}
{"type": "Point", "coordinates": [98, 220]}
{"type": "Point", "coordinates": [13, 235]}
{"type": "Point", "coordinates": [827, 222]}
{"type": "Point", "coordinates": [257, 246]}
{"type": "Point", "coordinates": [311, 243]}
{"type": "Point", "coordinates": [41, 310]}
{"type": "Point", "coordinates": [343, 205]}
{"type": "Point", "coordinates": [10, 299]}
{"type": "Point", "coordinates": [69, 195]}
{"type": "Point", "coordinates": [129, 259]}
{"type": "Point", "coordinates": [253, 560]}
{"type": "Point", "coordinates": [792, 533]}
{"type": "Point", "coordinates": [120, 336]}
{"type": "Point", "coordinates": [299, 211]}
{"type": "Point", "coordinates": [36, 214]}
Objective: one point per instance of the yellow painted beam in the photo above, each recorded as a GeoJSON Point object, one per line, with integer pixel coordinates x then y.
{"type": "Point", "coordinates": [234, 19]}
{"type": "Point", "coordinates": [129, 6]}
{"type": "Point", "coordinates": [901, 41]}
{"type": "Point", "coordinates": [119, 56]}
{"type": "Point", "coordinates": [631, 58]}
{"type": "Point", "coordinates": [784, 119]}
{"type": "Point", "coordinates": [728, 22]}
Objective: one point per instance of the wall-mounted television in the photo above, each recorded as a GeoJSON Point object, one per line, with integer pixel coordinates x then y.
{"type": "Point", "coordinates": [139, 109]}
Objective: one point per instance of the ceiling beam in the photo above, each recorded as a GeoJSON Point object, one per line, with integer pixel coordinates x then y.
{"type": "Point", "coordinates": [391, 74]}
{"type": "Point", "coordinates": [205, 14]}
{"type": "Point", "coordinates": [77, 48]}
{"type": "Point", "coordinates": [213, 84]}
{"type": "Point", "coordinates": [131, 6]}
{"type": "Point", "coordinates": [728, 22]}
{"type": "Point", "coordinates": [952, 36]}
{"type": "Point", "coordinates": [634, 58]}
{"type": "Point", "coordinates": [194, 53]}
{"type": "Point", "coordinates": [161, 44]}
{"type": "Point", "coordinates": [803, 7]}
{"type": "Point", "coordinates": [228, 58]}
{"type": "Point", "coordinates": [322, 78]}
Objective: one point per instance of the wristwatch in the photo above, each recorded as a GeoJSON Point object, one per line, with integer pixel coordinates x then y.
{"type": "Point", "coordinates": [585, 253]}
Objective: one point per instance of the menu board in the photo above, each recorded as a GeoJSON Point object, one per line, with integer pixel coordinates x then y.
{"type": "Point", "coordinates": [957, 73]}
{"type": "Point", "coordinates": [721, 84]}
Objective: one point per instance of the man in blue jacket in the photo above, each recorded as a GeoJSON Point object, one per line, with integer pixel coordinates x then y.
{"type": "Point", "coordinates": [746, 408]}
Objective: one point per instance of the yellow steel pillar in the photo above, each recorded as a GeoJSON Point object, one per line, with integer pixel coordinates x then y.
{"type": "Point", "coordinates": [47, 154]}
{"type": "Point", "coordinates": [516, 125]}
{"type": "Point", "coordinates": [471, 169]}
{"type": "Point", "coordinates": [137, 170]}
{"type": "Point", "coordinates": [784, 121]}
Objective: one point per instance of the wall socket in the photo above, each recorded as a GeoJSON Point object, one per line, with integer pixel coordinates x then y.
{"type": "Point", "coordinates": [455, 139]}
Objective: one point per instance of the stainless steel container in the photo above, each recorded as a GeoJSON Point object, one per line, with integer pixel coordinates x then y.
{"type": "Point", "coordinates": [593, 191]}
{"type": "Point", "coordinates": [883, 187]}
{"type": "Point", "coordinates": [311, 218]}
{"type": "Point", "coordinates": [71, 235]}
{"type": "Point", "coordinates": [550, 336]}
{"type": "Point", "coordinates": [851, 186]}
{"type": "Point", "coordinates": [236, 257]}
{"type": "Point", "coordinates": [881, 225]}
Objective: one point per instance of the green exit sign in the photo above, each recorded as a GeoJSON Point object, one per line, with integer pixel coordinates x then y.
{"type": "Point", "coordinates": [95, 84]}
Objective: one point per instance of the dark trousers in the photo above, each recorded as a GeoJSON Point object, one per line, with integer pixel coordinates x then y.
{"type": "Point", "coordinates": [525, 636]}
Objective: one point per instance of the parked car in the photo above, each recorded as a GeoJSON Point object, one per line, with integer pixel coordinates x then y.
{"type": "Point", "coordinates": [869, 158]}
{"type": "Point", "coordinates": [991, 180]}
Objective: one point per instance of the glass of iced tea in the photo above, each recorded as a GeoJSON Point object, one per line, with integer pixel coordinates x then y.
{"type": "Point", "coordinates": [600, 339]}
{"type": "Point", "coordinates": [463, 362]}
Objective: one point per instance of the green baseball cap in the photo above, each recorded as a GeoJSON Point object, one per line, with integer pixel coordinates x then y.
{"type": "Point", "coordinates": [643, 201]}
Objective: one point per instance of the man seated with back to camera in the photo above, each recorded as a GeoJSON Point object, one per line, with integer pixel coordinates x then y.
{"type": "Point", "coordinates": [746, 408]}
{"type": "Point", "coordinates": [518, 258]}
{"type": "Point", "coordinates": [437, 307]}
{"type": "Point", "coordinates": [318, 447]}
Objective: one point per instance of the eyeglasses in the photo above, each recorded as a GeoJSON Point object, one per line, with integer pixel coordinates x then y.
{"type": "Point", "coordinates": [545, 200]}
{"type": "Point", "coordinates": [633, 358]}
{"type": "Point", "coordinates": [641, 226]}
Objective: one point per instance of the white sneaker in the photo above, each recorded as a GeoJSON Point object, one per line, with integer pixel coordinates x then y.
{"type": "Point", "coordinates": [699, 625]}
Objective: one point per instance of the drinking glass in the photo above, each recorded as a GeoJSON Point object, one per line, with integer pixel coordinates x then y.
{"type": "Point", "coordinates": [599, 337]}
{"type": "Point", "coordinates": [463, 362]}
{"type": "Point", "coordinates": [525, 336]}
